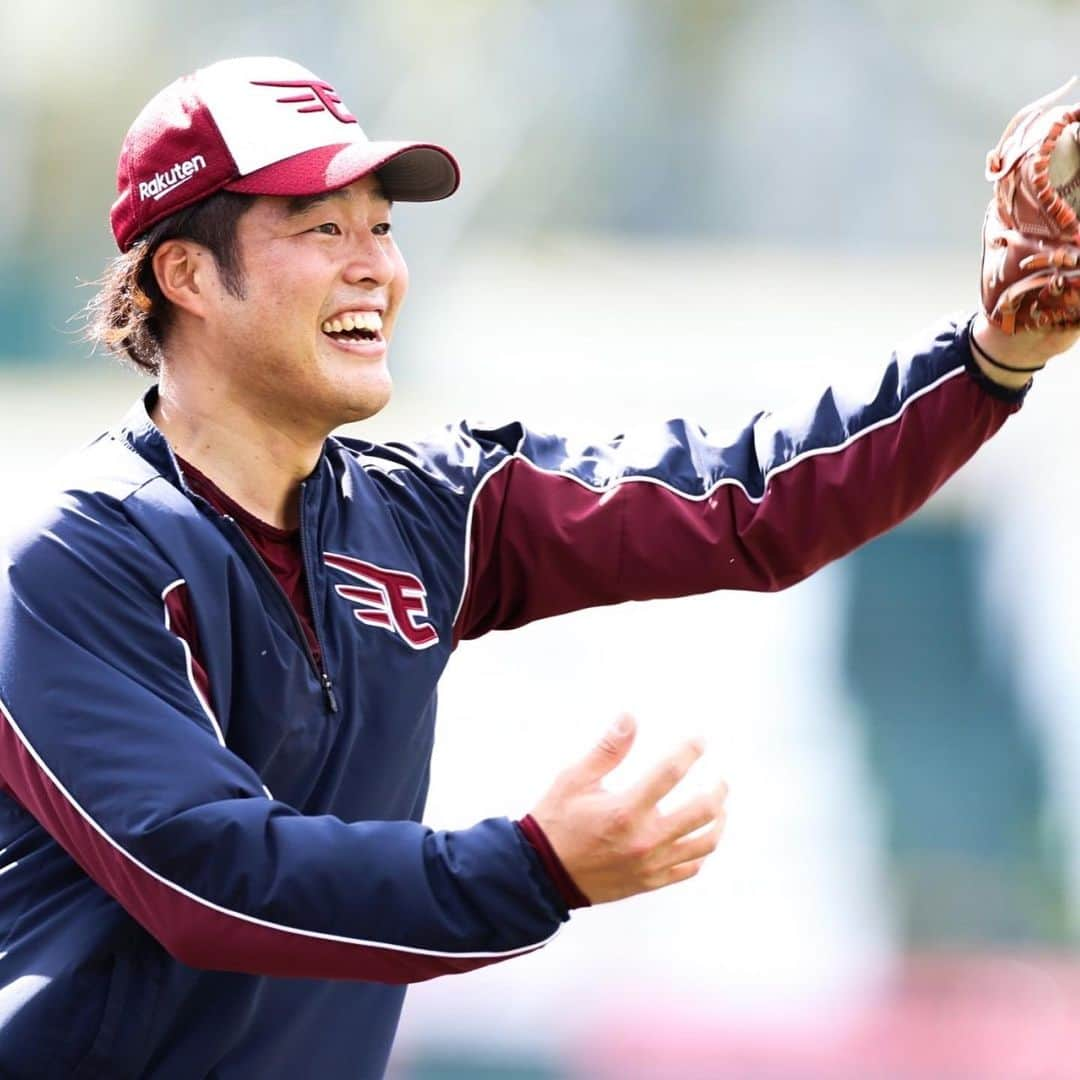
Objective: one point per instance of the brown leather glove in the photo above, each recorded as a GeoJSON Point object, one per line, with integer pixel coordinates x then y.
{"type": "Point", "coordinates": [1031, 234]}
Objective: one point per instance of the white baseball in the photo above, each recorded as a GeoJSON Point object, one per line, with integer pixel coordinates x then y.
{"type": "Point", "coordinates": [1065, 166]}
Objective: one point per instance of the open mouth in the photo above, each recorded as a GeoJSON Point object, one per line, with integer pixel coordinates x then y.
{"type": "Point", "coordinates": [354, 327]}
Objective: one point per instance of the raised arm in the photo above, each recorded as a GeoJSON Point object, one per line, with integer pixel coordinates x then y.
{"type": "Point", "coordinates": [676, 510]}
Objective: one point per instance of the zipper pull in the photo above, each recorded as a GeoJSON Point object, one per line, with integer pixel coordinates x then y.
{"type": "Point", "coordinates": [328, 691]}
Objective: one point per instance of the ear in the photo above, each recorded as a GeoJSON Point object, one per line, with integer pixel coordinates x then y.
{"type": "Point", "coordinates": [183, 270]}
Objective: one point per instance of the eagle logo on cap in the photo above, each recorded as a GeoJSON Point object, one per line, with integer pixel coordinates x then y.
{"type": "Point", "coordinates": [319, 97]}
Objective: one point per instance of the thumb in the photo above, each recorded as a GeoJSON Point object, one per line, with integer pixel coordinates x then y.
{"type": "Point", "coordinates": [612, 748]}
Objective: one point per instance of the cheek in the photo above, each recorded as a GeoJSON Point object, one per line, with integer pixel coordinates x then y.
{"type": "Point", "coordinates": [401, 273]}
{"type": "Point", "coordinates": [399, 287]}
{"type": "Point", "coordinates": [279, 303]}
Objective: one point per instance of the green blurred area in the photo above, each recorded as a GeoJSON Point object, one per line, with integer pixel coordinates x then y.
{"type": "Point", "coordinates": [477, 1066]}
{"type": "Point", "coordinates": [973, 855]}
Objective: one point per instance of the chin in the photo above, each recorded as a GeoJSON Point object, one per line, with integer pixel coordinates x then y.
{"type": "Point", "coordinates": [352, 388]}
{"type": "Point", "coordinates": [365, 401]}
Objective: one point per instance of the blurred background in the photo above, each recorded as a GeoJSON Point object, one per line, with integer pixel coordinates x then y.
{"type": "Point", "coordinates": [702, 209]}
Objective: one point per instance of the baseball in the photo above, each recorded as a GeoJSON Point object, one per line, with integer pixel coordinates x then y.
{"type": "Point", "coordinates": [1065, 166]}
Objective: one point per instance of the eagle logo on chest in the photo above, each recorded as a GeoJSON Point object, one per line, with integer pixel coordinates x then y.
{"type": "Point", "coordinates": [394, 600]}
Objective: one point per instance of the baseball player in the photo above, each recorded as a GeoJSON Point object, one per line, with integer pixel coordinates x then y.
{"type": "Point", "coordinates": [220, 642]}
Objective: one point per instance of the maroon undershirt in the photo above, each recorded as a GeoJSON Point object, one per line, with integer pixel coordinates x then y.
{"type": "Point", "coordinates": [280, 550]}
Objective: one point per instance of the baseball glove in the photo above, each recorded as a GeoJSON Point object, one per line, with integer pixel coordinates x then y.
{"type": "Point", "coordinates": [1031, 234]}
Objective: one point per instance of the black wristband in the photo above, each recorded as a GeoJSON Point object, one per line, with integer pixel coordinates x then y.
{"type": "Point", "coordinates": [997, 363]}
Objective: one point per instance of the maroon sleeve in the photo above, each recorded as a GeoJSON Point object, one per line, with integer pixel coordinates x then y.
{"type": "Point", "coordinates": [673, 512]}
{"type": "Point", "coordinates": [571, 895]}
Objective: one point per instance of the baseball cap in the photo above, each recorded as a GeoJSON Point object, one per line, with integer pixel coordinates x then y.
{"type": "Point", "coordinates": [260, 125]}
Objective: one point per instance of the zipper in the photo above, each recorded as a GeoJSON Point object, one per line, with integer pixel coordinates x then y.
{"type": "Point", "coordinates": [320, 671]}
{"type": "Point", "coordinates": [316, 611]}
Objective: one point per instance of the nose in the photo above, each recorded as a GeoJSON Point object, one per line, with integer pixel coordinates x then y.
{"type": "Point", "coordinates": [369, 262]}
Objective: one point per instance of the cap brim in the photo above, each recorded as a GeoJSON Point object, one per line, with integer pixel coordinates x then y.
{"type": "Point", "coordinates": [407, 171]}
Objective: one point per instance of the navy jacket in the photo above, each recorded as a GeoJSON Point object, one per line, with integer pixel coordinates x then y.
{"type": "Point", "coordinates": [211, 856]}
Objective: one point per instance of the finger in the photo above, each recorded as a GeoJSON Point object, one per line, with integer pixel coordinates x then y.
{"type": "Point", "coordinates": [700, 811]}
{"type": "Point", "coordinates": [612, 748]}
{"type": "Point", "coordinates": [662, 778]}
{"type": "Point", "coordinates": [698, 846]}
{"type": "Point", "coordinates": [675, 874]}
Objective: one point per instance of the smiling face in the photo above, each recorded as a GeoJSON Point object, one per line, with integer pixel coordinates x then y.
{"type": "Point", "coordinates": [323, 282]}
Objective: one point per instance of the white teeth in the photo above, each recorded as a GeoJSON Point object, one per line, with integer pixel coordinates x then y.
{"type": "Point", "coordinates": [367, 320]}
{"type": "Point", "coordinates": [354, 320]}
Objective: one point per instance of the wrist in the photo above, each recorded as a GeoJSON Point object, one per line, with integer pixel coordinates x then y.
{"type": "Point", "coordinates": [560, 877]}
{"type": "Point", "coordinates": [1007, 360]}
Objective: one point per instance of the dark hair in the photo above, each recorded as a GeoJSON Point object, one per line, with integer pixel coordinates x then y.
{"type": "Point", "coordinates": [130, 315]}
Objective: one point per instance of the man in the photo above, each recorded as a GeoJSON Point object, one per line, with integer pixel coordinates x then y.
{"type": "Point", "coordinates": [219, 647]}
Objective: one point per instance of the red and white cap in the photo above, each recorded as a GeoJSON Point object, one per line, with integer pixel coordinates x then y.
{"type": "Point", "coordinates": [263, 126]}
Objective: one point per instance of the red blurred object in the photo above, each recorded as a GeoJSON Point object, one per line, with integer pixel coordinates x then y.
{"type": "Point", "coordinates": [944, 1017]}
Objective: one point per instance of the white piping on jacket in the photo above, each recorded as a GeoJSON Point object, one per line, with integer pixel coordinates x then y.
{"type": "Point", "coordinates": [608, 489]}
{"type": "Point", "coordinates": [4, 711]}
{"type": "Point", "coordinates": [189, 660]}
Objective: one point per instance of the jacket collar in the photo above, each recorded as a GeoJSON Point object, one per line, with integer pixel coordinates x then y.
{"type": "Point", "coordinates": [143, 436]}
{"type": "Point", "coordinates": [140, 433]}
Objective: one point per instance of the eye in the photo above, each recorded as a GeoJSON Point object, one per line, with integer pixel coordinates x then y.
{"type": "Point", "coordinates": [382, 229]}
{"type": "Point", "coordinates": [327, 228]}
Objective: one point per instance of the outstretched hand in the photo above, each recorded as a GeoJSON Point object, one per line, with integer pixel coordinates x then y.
{"type": "Point", "coordinates": [618, 844]}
